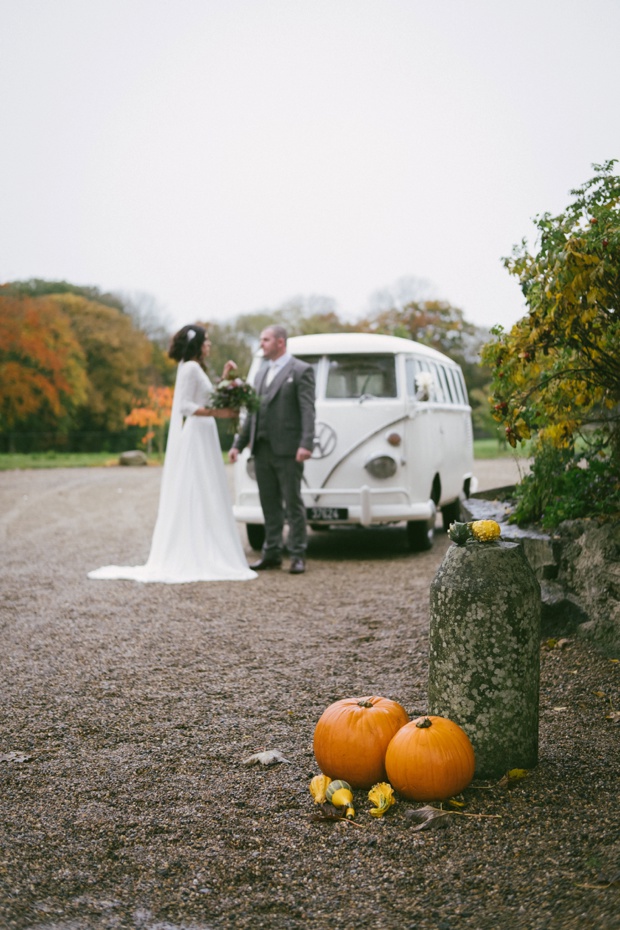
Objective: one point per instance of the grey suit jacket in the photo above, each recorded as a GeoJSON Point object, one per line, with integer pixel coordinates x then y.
{"type": "Point", "coordinates": [287, 410]}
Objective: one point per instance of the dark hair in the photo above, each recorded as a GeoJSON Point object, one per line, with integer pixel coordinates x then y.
{"type": "Point", "coordinates": [187, 343]}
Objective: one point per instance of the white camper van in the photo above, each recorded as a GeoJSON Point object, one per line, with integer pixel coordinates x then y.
{"type": "Point", "coordinates": [393, 437]}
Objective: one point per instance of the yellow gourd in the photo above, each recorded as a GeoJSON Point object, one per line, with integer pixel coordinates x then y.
{"type": "Point", "coordinates": [485, 530]}
{"type": "Point", "coordinates": [318, 787]}
{"type": "Point", "coordinates": [382, 796]}
{"type": "Point", "coordinates": [340, 795]}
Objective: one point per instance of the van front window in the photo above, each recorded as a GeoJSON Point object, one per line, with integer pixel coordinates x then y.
{"type": "Point", "coordinates": [359, 375]}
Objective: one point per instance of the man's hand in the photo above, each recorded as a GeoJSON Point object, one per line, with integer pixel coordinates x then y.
{"type": "Point", "coordinates": [233, 455]}
{"type": "Point", "coordinates": [303, 455]}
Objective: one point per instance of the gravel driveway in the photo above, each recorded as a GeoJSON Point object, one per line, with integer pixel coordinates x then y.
{"type": "Point", "coordinates": [127, 711]}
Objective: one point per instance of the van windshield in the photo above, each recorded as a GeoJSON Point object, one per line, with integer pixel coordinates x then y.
{"type": "Point", "coordinates": [356, 375]}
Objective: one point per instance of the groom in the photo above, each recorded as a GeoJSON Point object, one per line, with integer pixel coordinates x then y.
{"type": "Point", "coordinates": [280, 437]}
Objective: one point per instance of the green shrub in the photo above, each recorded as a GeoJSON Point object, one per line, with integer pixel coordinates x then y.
{"type": "Point", "coordinates": [568, 484]}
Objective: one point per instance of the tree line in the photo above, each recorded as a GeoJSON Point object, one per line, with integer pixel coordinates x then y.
{"type": "Point", "coordinates": [79, 366]}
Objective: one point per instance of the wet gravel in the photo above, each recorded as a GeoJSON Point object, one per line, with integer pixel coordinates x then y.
{"type": "Point", "coordinates": [127, 711]}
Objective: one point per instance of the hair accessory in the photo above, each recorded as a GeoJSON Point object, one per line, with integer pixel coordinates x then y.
{"type": "Point", "coordinates": [190, 334]}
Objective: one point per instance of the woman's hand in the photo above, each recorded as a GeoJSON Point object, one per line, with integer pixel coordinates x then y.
{"type": "Point", "coordinates": [219, 413]}
{"type": "Point", "coordinates": [228, 367]}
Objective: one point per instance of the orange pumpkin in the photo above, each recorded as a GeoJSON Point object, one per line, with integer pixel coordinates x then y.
{"type": "Point", "coordinates": [352, 736]}
{"type": "Point", "coordinates": [430, 759]}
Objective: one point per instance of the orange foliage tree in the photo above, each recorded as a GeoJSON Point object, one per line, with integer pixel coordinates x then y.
{"type": "Point", "coordinates": [117, 355]}
{"type": "Point", "coordinates": [42, 375]}
{"type": "Point", "coordinates": [152, 416]}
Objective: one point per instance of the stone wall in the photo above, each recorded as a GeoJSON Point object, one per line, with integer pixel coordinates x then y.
{"type": "Point", "coordinates": [578, 567]}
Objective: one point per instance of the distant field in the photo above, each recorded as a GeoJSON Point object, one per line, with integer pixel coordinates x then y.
{"type": "Point", "coordinates": [63, 460]}
{"type": "Point", "coordinates": [483, 449]}
{"type": "Point", "coordinates": [491, 449]}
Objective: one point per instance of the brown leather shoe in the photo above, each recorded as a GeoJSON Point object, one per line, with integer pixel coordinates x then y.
{"type": "Point", "coordinates": [298, 567]}
{"type": "Point", "coordinates": [265, 563]}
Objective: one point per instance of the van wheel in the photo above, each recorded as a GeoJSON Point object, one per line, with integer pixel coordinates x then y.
{"type": "Point", "coordinates": [420, 534]}
{"type": "Point", "coordinates": [256, 535]}
{"type": "Point", "coordinates": [450, 513]}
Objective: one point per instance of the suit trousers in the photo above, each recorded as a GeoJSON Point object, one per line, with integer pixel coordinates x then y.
{"type": "Point", "coordinates": [279, 488]}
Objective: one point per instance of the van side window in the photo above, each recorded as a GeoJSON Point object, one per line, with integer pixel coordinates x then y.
{"type": "Point", "coordinates": [456, 384]}
{"type": "Point", "coordinates": [461, 381]}
{"type": "Point", "coordinates": [439, 394]}
{"type": "Point", "coordinates": [451, 397]}
{"type": "Point", "coordinates": [355, 375]}
{"type": "Point", "coordinates": [423, 380]}
{"type": "Point", "coordinates": [410, 373]}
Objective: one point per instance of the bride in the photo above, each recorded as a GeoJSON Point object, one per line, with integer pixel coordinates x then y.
{"type": "Point", "coordinates": [195, 537]}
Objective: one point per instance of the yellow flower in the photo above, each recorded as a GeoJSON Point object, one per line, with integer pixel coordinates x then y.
{"type": "Point", "coordinates": [382, 796]}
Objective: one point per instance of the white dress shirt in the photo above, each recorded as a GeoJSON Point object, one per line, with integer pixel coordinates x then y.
{"type": "Point", "coordinates": [275, 366]}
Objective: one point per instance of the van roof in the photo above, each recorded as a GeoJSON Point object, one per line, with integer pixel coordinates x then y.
{"type": "Point", "coordinates": [344, 343]}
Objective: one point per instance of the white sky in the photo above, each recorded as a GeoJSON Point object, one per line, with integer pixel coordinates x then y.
{"type": "Point", "coordinates": [224, 156]}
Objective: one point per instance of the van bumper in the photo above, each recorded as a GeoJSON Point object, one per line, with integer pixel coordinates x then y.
{"type": "Point", "coordinates": [364, 506]}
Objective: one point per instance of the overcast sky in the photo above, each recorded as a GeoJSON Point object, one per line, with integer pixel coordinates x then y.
{"type": "Point", "coordinates": [225, 156]}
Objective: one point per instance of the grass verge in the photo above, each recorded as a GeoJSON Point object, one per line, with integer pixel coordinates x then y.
{"type": "Point", "coordinates": [483, 449]}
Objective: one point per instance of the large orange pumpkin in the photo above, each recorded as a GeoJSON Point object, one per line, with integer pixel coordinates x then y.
{"type": "Point", "coordinates": [430, 759]}
{"type": "Point", "coordinates": [352, 735]}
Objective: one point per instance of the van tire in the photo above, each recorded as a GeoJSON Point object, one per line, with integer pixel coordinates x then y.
{"type": "Point", "coordinates": [420, 534]}
{"type": "Point", "coordinates": [450, 513]}
{"type": "Point", "coordinates": [256, 535]}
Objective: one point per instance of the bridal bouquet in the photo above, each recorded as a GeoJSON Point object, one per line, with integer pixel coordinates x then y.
{"type": "Point", "coordinates": [235, 394]}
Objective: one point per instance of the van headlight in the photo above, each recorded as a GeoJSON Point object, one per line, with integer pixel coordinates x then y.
{"type": "Point", "coordinates": [383, 466]}
{"type": "Point", "coordinates": [251, 468]}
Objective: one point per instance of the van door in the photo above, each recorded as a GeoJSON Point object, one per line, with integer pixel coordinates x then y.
{"type": "Point", "coordinates": [357, 401]}
{"type": "Point", "coordinates": [424, 444]}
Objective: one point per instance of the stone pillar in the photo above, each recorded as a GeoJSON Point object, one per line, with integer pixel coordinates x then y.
{"type": "Point", "coordinates": [485, 652]}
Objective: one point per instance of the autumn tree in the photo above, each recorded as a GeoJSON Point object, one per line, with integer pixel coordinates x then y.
{"type": "Point", "coordinates": [440, 325]}
{"type": "Point", "coordinates": [152, 415]}
{"type": "Point", "coordinates": [148, 317]}
{"type": "Point", "coordinates": [556, 373]}
{"type": "Point", "coordinates": [39, 287]}
{"type": "Point", "coordinates": [117, 361]}
{"type": "Point", "coordinates": [42, 375]}
{"type": "Point", "coordinates": [435, 323]}
{"type": "Point", "coordinates": [226, 343]}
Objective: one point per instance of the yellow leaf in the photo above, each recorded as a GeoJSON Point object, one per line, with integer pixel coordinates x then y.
{"type": "Point", "coordinates": [516, 774]}
{"type": "Point", "coordinates": [512, 776]}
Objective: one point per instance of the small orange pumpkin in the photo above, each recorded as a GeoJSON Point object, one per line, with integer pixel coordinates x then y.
{"type": "Point", "coordinates": [430, 759]}
{"type": "Point", "coordinates": [352, 736]}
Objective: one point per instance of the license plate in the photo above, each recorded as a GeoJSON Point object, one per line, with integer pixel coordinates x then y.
{"type": "Point", "coordinates": [330, 514]}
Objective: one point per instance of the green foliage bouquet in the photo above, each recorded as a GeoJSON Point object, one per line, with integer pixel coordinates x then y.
{"type": "Point", "coordinates": [235, 394]}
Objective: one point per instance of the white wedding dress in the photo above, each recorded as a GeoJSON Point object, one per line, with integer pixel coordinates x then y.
{"type": "Point", "coordinates": [195, 537]}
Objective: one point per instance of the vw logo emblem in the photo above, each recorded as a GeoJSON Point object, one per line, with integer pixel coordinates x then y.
{"type": "Point", "coordinates": [324, 441]}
